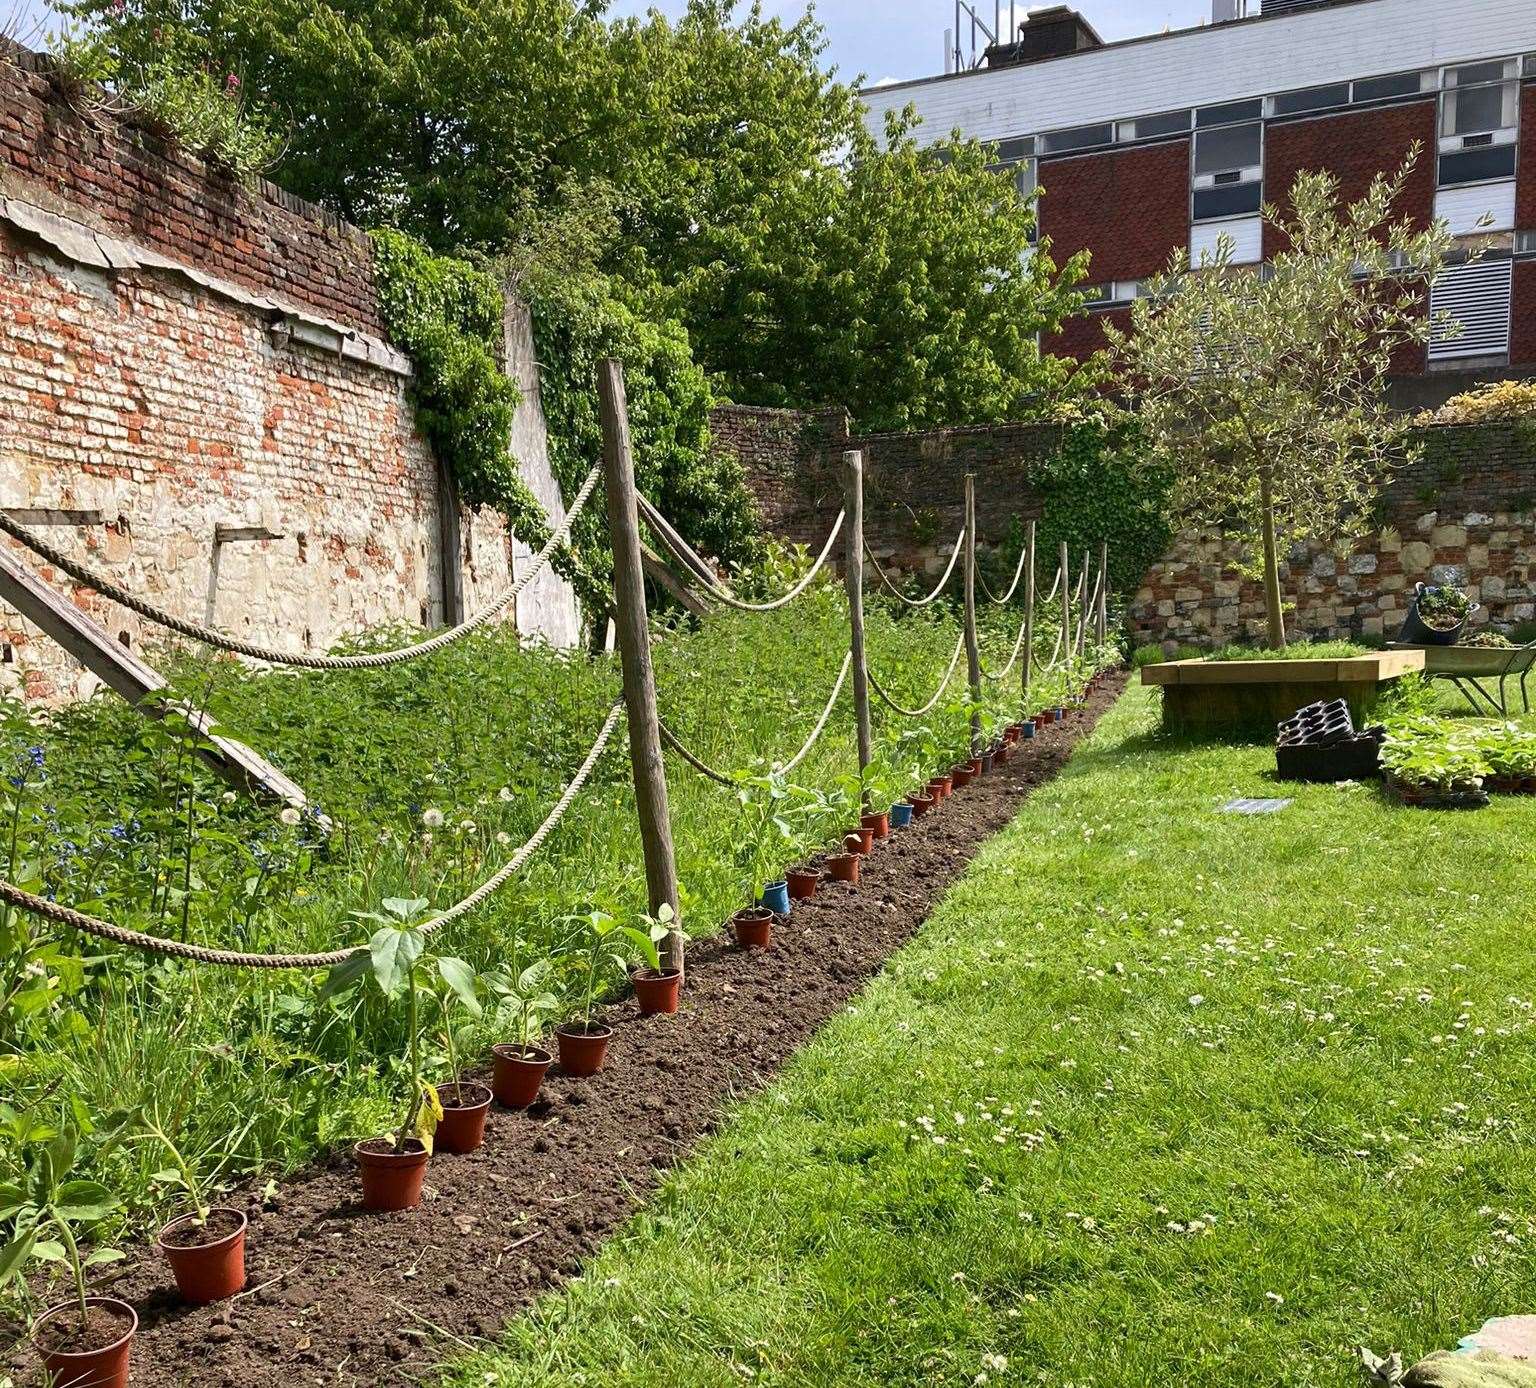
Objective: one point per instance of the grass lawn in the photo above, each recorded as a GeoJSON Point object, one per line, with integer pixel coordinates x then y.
{"type": "Point", "coordinates": [1159, 1096]}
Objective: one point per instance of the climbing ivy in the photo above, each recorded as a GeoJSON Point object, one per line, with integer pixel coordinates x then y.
{"type": "Point", "coordinates": [447, 316]}
{"type": "Point", "coordinates": [1090, 491]}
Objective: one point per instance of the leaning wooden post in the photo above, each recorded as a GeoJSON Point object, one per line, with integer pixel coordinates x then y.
{"type": "Point", "coordinates": [972, 647]}
{"type": "Point", "coordinates": [853, 581]}
{"type": "Point", "coordinates": [635, 656]}
{"type": "Point", "coordinates": [1029, 614]}
{"type": "Point", "coordinates": [1085, 596]}
{"type": "Point", "coordinates": [1066, 610]}
{"type": "Point", "coordinates": [1102, 615]}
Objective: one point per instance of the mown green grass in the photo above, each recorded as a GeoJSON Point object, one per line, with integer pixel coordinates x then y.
{"type": "Point", "coordinates": [1158, 1096]}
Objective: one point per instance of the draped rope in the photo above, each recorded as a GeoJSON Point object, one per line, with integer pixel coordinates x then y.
{"type": "Point", "coordinates": [153, 944]}
{"type": "Point", "coordinates": [954, 558]}
{"type": "Point", "coordinates": [209, 636]}
{"type": "Point", "coordinates": [724, 779]}
{"type": "Point", "coordinates": [1018, 645]}
{"type": "Point", "coordinates": [715, 589]}
{"type": "Point", "coordinates": [1018, 573]}
{"type": "Point", "coordinates": [949, 674]}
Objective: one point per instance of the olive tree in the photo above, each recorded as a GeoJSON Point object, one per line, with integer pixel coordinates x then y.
{"type": "Point", "coordinates": [1263, 390]}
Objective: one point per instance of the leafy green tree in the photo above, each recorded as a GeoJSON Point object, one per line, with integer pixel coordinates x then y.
{"type": "Point", "coordinates": [1263, 393]}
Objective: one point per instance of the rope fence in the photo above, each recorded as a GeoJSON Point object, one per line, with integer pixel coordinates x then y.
{"type": "Point", "coordinates": [713, 587]}
{"type": "Point", "coordinates": [885, 578]}
{"type": "Point", "coordinates": [236, 959]}
{"type": "Point", "coordinates": [210, 636]}
{"type": "Point", "coordinates": [1018, 573]}
{"type": "Point", "coordinates": [938, 693]}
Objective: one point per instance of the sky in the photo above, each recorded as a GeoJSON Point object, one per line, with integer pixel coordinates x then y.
{"type": "Point", "coordinates": [885, 40]}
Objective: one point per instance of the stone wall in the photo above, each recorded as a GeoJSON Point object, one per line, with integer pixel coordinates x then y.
{"type": "Point", "coordinates": [1464, 514]}
{"type": "Point", "coordinates": [195, 396]}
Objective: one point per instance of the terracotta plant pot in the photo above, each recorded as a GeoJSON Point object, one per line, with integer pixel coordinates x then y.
{"type": "Point", "coordinates": [207, 1261]}
{"type": "Point", "coordinates": [843, 867]}
{"type": "Point", "coordinates": [877, 824]}
{"type": "Point", "coordinates": [657, 992]}
{"type": "Point", "coordinates": [582, 1047]}
{"type": "Point", "coordinates": [962, 775]}
{"type": "Point", "coordinates": [802, 883]}
{"type": "Point", "coordinates": [753, 927]}
{"type": "Point", "coordinates": [975, 766]}
{"type": "Point", "coordinates": [98, 1361]}
{"type": "Point", "coordinates": [462, 1127]}
{"type": "Point", "coordinates": [1001, 753]}
{"type": "Point", "coordinates": [517, 1073]}
{"type": "Point", "coordinates": [921, 804]}
{"type": "Point", "coordinates": [860, 841]}
{"type": "Point", "coordinates": [391, 1180]}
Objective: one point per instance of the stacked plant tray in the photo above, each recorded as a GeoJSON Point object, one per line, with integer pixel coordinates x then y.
{"type": "Point", "coordinates": [1319, 743]}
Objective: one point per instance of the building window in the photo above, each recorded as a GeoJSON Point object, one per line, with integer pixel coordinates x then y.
{"type": "Point", "coordinates": [1476, 299]}
{"type": "Point", "coordinates": [1312, 99]}
{"type": "Point", "coordinates": [1230, 201]}
{"type": "Point", "coordinates": [1525, 243]}
{"type": "Point", "coordinates": [1017, 156]}
{"type": "Point", "coordinates": [1229, 149]}
{"type": "Point", "coordinates": [1229, 114]}
{"type": "Point", "coordinates": [1079, 137]}
{"type": "Point", "coordinates": [1477, 165]}
{"type": "Point", "coordinates": [1388, 88]}
{"type": "Point", "coordinates": [1227, 169]}
{"type": "Point", "coordinates": [1151, 127]}
{"type": "Point", "coordinates": [1480, 99]}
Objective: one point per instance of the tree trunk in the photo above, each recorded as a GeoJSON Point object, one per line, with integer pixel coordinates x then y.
{"type": "Point", "coordinates": [1273, 603]}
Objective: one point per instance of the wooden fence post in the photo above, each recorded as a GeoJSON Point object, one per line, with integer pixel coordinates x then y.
{"type": "Point", "coordinates": [1103, 612]}
{"type": "Point", "coordinates": [853, 581]}
{"type": "Point", "coordinates": [635, 655]}
{"type": "Point", "coordinates": [1067, 638]}
{"type": "Point", "coordinates": [972, 647]}
{"type": "Point", "coordinates": [1029, 613]}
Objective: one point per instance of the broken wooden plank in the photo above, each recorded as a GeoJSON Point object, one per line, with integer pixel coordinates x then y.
{"type": "Point", "coordinates": [657, 571]}
{"type": "Point", "coordinates": [124, 673]}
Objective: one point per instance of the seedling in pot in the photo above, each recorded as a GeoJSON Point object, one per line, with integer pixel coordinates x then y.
{"type": "Point", "coordinates": [657, 988]}
{"type": "Point", "coordinates": [206, 1247]}
{"type": "Point", "coordinates": [464, 1104]}
{"type": "Point", "coordinates": [88, 1339]}
{"type": "Point", "coordinates": [767, 832]}
{"type": "Point", "coordinates": [526, 1003]}
{"type": "Point", "coordinates": [393, 1168]}
{"type": "Point", "coordinates": [595, 952]}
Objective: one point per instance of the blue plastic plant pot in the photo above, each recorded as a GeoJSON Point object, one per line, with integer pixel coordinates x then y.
{"type": "Point", "coordinates": [776, 898]}
{"type": "Point", "coordinates": [1027, 731]}
{"type": "Point", "coordinates": [1057, 714]}
{"type": "Point", "coordinates": [901, 815]}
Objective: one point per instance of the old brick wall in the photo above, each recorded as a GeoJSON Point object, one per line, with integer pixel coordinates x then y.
{"type": "Point", "coordinates": [142, 409]}
{"type": "Point", "coordinates": [1129, 207]}
{"type": "Point", "coordinates": [1525, 188]}
{"type": "Point", "coordinates": [1466, 514]}
{"type": "Point", "coordinates": [913, 488]}
{"type": "Point", "coordinates": [1356, 146]}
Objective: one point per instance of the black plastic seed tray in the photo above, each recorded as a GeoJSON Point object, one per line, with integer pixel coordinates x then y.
{"type": "Point", "coordinates": [1319, 743]}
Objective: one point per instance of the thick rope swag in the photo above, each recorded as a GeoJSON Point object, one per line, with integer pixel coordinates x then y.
{"type": "Point", "coordinates": [954, 558]}
{"type": "Point", "coordinates": [373, 660]}
{"type": "Point", "coordinates": [234, 959]}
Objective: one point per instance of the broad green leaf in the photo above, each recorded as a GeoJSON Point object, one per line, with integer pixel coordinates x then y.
{"type": "Point", "coordinates": [86, 1201]}
{"type": "Point", "coordinates": [404, 908]}
{"type": "Point", "coordinates": [16, 1253]}
{"type": "Point", "coordinates": [461, 978]}
{"type": "Point", "coordinates": [394, 953]}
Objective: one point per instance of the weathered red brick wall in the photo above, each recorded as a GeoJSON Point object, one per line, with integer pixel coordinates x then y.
{"type": "Point", "coordinates": [1525, 189]}
{"type": "Point", "coordinates": [130, 182]}
{"type": "Point", "coordinates": [163, 411]}
{"type": "Point", "coordinates": [1356, 146]}
{"type": "Point", "coordinates": [1129, 207]}
{"type": "Point", "coordinates": [1081, 337]}
{"type": "Point", "coordinates": [1522, 343]}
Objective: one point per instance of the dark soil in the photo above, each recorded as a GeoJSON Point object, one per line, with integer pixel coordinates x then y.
{"type": "Point", "coordinates": [63, 1334]}
{"type": "Point", "coordinates": [219, 1225]}
{"type": "Point", "coordinates": [338, 1296]}
{"type": "Point", "coordinates": [470, 1094]}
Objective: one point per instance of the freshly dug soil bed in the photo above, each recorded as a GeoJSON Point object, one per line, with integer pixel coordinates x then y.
{"type": "Point", "coordinates": [338, 1296]}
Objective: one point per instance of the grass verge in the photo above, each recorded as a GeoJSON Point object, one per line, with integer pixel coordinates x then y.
{"type": "Point", "coordinates": [1159, 1095]}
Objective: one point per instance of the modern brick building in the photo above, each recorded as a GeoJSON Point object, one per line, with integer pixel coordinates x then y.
{"type": "Point", "coordinates": [1175, 140]}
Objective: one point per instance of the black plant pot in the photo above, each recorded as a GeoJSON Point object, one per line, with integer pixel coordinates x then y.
{"type": "Point", "coordinates": [1417, 632]}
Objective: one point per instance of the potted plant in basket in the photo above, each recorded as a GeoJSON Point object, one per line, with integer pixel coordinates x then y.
{"type": "Point", "coordinates": [393, 1168]}
{"type": "Point", "coordinates": [88, 1339]}
{"type": "Point", "coordinates": [1437, 615]}
{"type": "Point", "coordinates": [594, 955]}
{"type": "Point", "coordinates": [525, 1003]}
